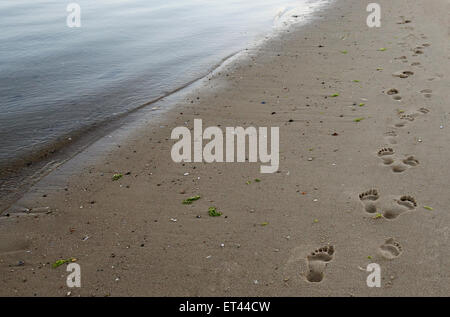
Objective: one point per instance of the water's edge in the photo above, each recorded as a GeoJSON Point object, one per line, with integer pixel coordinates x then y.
{"type": "Point", "coordinates": [34, 172]}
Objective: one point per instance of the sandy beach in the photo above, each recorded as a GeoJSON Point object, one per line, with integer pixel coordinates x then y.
{"type": "Point", "coordinates": [363, 177]}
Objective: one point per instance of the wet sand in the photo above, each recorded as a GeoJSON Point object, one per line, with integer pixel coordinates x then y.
{"type": "Point", "coordinates": [363, 178]}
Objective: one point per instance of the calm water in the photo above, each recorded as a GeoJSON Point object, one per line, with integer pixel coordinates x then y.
{"type": "Point", "coordinates": [56, 80]}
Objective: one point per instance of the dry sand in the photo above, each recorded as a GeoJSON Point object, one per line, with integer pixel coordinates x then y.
{"type": "Point", "coordinates": [121, 232]}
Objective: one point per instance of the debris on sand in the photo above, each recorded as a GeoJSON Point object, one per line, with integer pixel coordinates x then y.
{"type": "Point", "coordinates": [63, 261]}
{"type": "Point", "coordinates": [190, 200]}
{"type": "Point", "coordinates": [116, 177]}
{"type": "Point", "coordinates": [212, 211]}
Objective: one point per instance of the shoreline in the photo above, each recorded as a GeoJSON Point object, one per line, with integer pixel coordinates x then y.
{"type": "Point", "coordinates": [135, 237]}
{"type": "Point", "coordinates": [26, 171]}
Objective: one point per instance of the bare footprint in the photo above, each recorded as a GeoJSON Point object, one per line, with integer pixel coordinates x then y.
{"type": "Point", "coordinates": [399, 206]}
{"type": "Point", "coordinates": [399, 168]}
{"type": "Point", "coordinates": [385, 151]}
{"type": "Point", "coordinates": [427, 93]}
{"type": "Point", "coordinates": [368, 198]}
{"type": "Point", "coordinates": [385, 154]}
{"type": "Point", "coordinates": [403, 74]}
{"type": "Point", "coordinates": [404, 164]}
{"type": "Point", "coordinates": [407, 201]}
{"type": "Point", "coordinates": [391, 133]}
{"type": "Point", "coordinates": [400, 124]}
{"type": "Point", "coordinates": [317, 262]}
{"type": "Point", "coordinates": [411, 161]}
{"type": "Point", "coordinates": [424, 110]}
{"type": "Point", "coordinates": [392, 91]}
{"type": "Point", "coordinates": [409, 117]}
{"type": "Point", "coordinates": [390, 249]}
{"type": "Point", "coordinates": [404, 21]}
{"type": "Point", "coordinates": [390, 137]}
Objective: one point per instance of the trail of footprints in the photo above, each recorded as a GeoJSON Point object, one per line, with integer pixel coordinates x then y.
{"type": "Point", "coordinates": [389, 207]}
{"type": "Point", "coordinates": [392, 207]}
{"type": "Point", "coordinates": [398, 165]}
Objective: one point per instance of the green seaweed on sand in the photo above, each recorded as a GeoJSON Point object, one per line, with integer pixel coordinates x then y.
{"type": "Point", "coordinates": [190, 200]}
{"type": "Point", "coordinates": [382, 49]}
{"type": "Point", "coordinates": [212, 211]}
{"type": "Point", "coordinates": [362, 104]}
{"type": "Point", "coordinates": [63, 261]}
{"type": "Point", "coordinates": [355, 80]}
{"type": "Point", "coordinates": [257, 180]}
{"type": "Point", "coordinates": [335, 95]}
{"type": "Point", "coordinates": [344, 51]}
{"type": "Point", "coordinates": [378, 216]}
{"type": "Point", "coordinates": [264, 224]}
{"type": "Point", "coordinates": [428, 207]}
{"type": "Point", "coordinates": [358, 119]}
{"type": "Point", "coordinates": [117, 176]}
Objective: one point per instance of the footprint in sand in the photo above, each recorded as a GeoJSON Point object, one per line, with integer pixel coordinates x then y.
{"type": "Point", "coordinates": [409, 117]}
{"type": "Point", "coordinates": [394, 93]}
{"type": "Point", "coordinates": [426, 93]}
{"type": "Point", "coordinates": [369, 198]}
{"type": "Point", "coordinates": [404, 164]}
{"type": "Point", "coordinates": [389, 208]}
{"type": "Point", "coordinates": [317, 262]}
{"type": "Point", "coordinates": [391, 136]}
{"type": "Point", "coordinates": [390, 249]}
{"type": "Point", "coordinates": [396, 207]}
{"type": "Point", "coordinates": [386, 155]}
{"type": "Point", "coordinates": [403, 74]}
{"type": "Point", "coordinates": [404, 21]}
{"type": "Point", "coordinates": [400, 124]}
{"type": "Point", "coordinates": [403, 58]}
{"type": "Point", "coordinates": [423, 110]}
{"type": "Point", "coordinates": [404, 117]}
